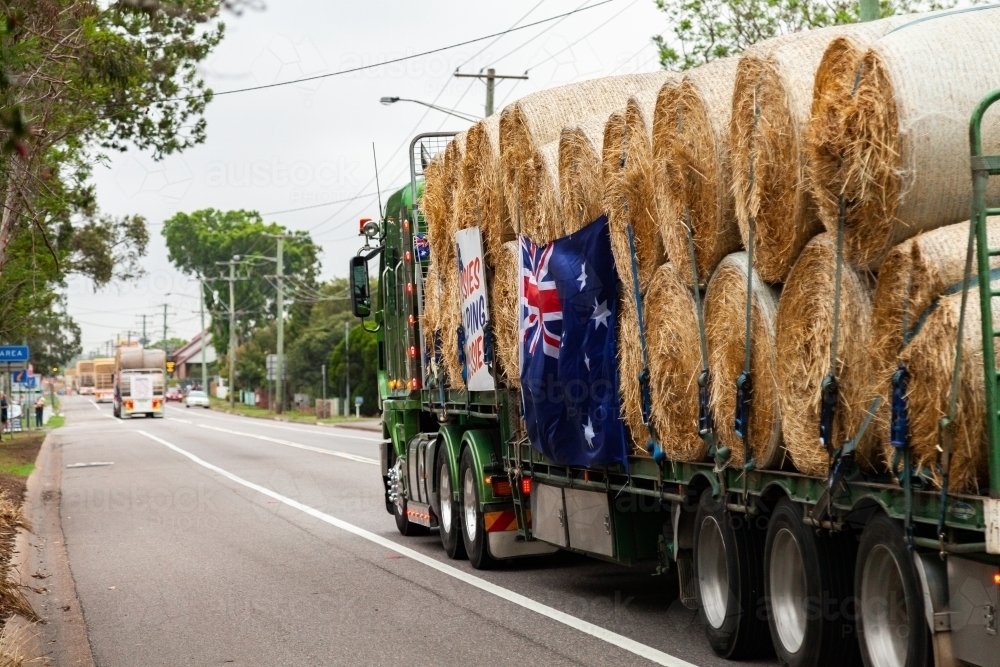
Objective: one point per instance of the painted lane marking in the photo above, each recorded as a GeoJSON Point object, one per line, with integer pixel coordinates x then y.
{"type": "Point", "coordinates": [338, 431]}
{"type": "Point", "coordinates": [297, 445]}
{"type": "Point", "coordinates": [596, 631]}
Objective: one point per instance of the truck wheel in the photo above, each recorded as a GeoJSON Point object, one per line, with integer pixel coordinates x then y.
{"type": "Point", "coordinates": [406, 527]}
{"type": "Point", "coordinates": [473, 526]}
{"type": "Point", "coordinates": [808, 576]}
{"type": "Point", "coordinates": [892, 629]}
{"type": "Point", "coordinates": [448, 513]}
{"type": "Point", "coordinates": [729, 571]}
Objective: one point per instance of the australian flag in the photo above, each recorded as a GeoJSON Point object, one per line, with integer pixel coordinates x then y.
{"type": "Point", "coordinates": [568, 292]}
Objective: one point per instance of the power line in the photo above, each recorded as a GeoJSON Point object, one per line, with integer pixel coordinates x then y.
{"type": "Point", "coordinates": [524, 44]}
{"type": "Point", "coordinates": [327, 203]}
{"type": "Point", "coordinates": [391, 60]}
{"type": "Point", "coordinates": [480, 51]}
{"type": "Point", "coordinates": [570, 46]}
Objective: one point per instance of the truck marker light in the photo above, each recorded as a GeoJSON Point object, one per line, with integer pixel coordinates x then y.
{"type": "Point", "coordinates": [412, 320]}
{"type": "Point", "coordinates": [526, 486]}
{"type": "Point", "coordinates": [501, 486]}
{"type": "Point", "coordinates": [409, 288]}
{"type": "Point", "coordinates": [996, 578]}
{"type": "Point", "coordinates": [414, 384]}
{"type": "Point", "coordinates": [407, 256]}
{"type": "Point", "coordinates": [361, 225]}
{"type": "Point", "coordinates": [406, 225]}
{"type": "Point", "coordinates": [413, 352]}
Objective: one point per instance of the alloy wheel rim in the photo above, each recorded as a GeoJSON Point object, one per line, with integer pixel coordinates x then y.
{"type": "Point", "coordinates": [885, 617]}
{"type": "Point", "coordinates": [713, 572]}
{"type": "Point", "coordinates": [788, 590]}
{"type": "Point", "coordinates": [445, 487]}
{"type": "Point", "coordinates": [469, 504]}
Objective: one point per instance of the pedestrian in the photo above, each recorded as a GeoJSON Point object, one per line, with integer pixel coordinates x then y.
{"type": "Point", "coordinates": [39, 409]}
{"type": "Point", "coordinates": [3, 413]}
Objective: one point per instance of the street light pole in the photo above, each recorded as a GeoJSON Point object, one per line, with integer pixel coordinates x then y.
{"type": "Point", "coordinates": [201, 303]}
{"type": "Point", "coordinates": [451, 112]}
{"type": "Point", "coordinates": [347, 365]}
{"type": "Point", "coordinates": [281, 326]}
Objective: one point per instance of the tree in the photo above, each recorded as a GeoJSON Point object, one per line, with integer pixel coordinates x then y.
{"type": "Point", "coordinates": [199, 242]}
{"type": "Point", "coordinates": [173, 344]}
{"type": "Point", "coordinates": [706, 30]}
{"type": "Point", "coordinates": [323, 330]}
{"type": "Point", "coordinates": [363, 365]}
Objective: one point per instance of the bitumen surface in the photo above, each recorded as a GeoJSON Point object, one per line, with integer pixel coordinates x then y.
{"type": "Point", "coordinates": [215, 539]}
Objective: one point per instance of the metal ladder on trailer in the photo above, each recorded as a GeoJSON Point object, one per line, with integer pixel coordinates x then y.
{"type": "Point", "coordinates": [983, 167]}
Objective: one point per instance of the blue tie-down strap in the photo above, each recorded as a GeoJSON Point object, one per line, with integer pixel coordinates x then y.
{"type": "Point", "coordinates": [461, 352]}
{"type": "Point", "coordinates": [705, 423]}
{"type": "Point", "coordinates": [899, 428]}
{"type": "Point", "coordinates": [488, 344]}
{"type": "Point", "coordinates": [830, 396]}
{"type": "Point", "coordinates": [647, 397]}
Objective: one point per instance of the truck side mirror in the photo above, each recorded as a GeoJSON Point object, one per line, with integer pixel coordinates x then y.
{"type": "Point", "coordinates": [361, 300]}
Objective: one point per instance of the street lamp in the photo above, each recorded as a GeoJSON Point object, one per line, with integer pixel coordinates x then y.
{"type": "Point", "coordinates": [451, 112]}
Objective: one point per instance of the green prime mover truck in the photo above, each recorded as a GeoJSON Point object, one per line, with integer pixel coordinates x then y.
{"type": "Point", "coordinates": [827, 571]}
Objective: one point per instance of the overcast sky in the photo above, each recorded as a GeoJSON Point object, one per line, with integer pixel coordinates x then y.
{"type": "Point", "coordinates": [311, 143]}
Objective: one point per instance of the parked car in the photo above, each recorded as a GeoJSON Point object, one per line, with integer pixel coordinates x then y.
{"type": "Point", "coordinates": [196, 398]}
{"type": "Point", "coordinates": [174, 395]}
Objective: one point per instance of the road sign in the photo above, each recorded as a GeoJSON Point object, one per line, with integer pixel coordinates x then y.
{"type": "Point", "coordinates": [271, 362]}
{"type": "Point", "coordinates": [14, 353]}
{"type": "Point", "coordinates": [19, 377]}
{"type": "Point", "coordinates": [359, 400]}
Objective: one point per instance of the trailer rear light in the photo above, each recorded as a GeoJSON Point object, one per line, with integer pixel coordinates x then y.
{"type": "Point", "coordinates": [996, 578]}
{"type": "Point", "coordinates": [413, 352]}
{"type": "Point", "coordinates": [407, 256]}
{"type": "Point", "coordinates": [414, 384]}
{"type": "Point", "coordinates": [156, 403]}
{"type": "Point", "coordinates": [526, 486]}
{"type": "Point", "coordinates": [129, 405]}
{"type": "Point", "coordinates": [501, 486]}
{"type": "Point", "coordinates": [409, 288]}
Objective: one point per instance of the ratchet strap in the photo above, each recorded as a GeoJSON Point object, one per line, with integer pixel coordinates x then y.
{"type": "Point", "coordinates": [706, 426]}
{"type": "Point", "coordinates": [843, 464]}
{"type": "Point", "coordinates": [830, 389]}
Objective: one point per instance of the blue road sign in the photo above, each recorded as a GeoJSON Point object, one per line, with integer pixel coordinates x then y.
{"type": "Point", "coordinates": [19, 377]}
{"type": "Point", "coordinates": [13, 352]}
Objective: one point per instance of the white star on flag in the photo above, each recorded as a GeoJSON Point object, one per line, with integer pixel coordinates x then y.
{"type": "Point", "coordinates": [588, 432]}
{"type": "Point", "coordinates": [582, 279]}
{"type": "Point", "coordinates": [601, 314]}
{"type": "Point", "coordinates": [586, 360]}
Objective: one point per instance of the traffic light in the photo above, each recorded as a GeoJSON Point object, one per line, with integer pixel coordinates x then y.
{"type": "Point", "coordinates": [170, 367]}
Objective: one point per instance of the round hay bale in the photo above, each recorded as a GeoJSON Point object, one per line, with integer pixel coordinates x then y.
{"type": "Point", "coordinates": [580, 153]}
{"type": "Point", "coordinates": [454, 162]}
{"type": "Point", "coordinates": [630, 199]}
{"type": "Point", "coordinates": [629, 367]}
{"type": "Point", "coordinates": [435, 207]}
{"type": "Point", "coordinates": [804, 339]}
{"type": "Point", "coordinates": [451, 316]}
{"type": "Point", "coordinates": [913, 275]}
{"type": "Point", "coordinates": [430, 322]}
{"type": "Point", "coordinates": [504, 299]}
{"type": "Point", "coordinates": [930, 359]}
{"type": "Point", "coordinates": [483, 194]}
{"type": "Point", "coordinates": [674, 364]}
{"type": "Point", "coordinates": [541, 210]}
{"type": "Point", "coordinates": [832, 91]}
{"type": "Point", "coordinates": [901, 157]}
{"type": "Point", "coordinates": [537, 119]}
{"type": "Point", "coordinates": [691, 139]}
{"type": "Point", "coordinates": [775, 84]}
{"type": "Point", "coordinates": [725, 329]}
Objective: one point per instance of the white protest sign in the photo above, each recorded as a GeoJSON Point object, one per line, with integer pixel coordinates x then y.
{"type": "Point", "coordinates": [474, 308]}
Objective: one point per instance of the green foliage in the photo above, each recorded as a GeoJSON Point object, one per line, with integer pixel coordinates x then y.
{"type": "Point", "coordinates": [251, 358]}
{"type": "Point", "coordinates": [198, 244]}
{"type": "Point", "coordinates": [312, 342]}
{"type": "Point", "coordinates": [706, 30]}
{"type": "Point", "coordinates": [173, 344]}
{"type": "Point", "coordinates": [363, 365]}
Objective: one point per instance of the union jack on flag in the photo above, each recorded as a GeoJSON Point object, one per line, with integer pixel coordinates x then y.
{"type": "Point", "coordinates": [541, 309]}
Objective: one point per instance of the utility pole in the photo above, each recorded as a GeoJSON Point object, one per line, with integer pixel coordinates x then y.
{"type": "Point", "coordinates": [165, 350]}
{"type": "Point", "coordinates": [323, 369]}
{"type": "Point", "coordinates": [491, 76]}
{"type": "Point", "coordinates": [347, 365]}
{"type": "Point", "coordinates": [279, 366]}
{"type": "Point", "coordinates": [232, 323]}
{"type": "Point", "coordinates": [144, 340]}
{"type": "Point", "coordinates": [201, 303]}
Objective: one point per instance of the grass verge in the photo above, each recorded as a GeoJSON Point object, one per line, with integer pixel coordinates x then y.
{"type": "Point", "coordinates": [291, 415]}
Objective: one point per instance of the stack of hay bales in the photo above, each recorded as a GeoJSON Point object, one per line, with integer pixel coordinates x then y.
{"type": "Point", "coordinates": [899, 155]}
{"type": "Point", "coordinates": [581, 183]}
{"type": "Point", "coordinates": [451, 316]}
{"type": "Point", "coordinates": [539, 202]}
{"type": "Point", "coordinates": [482, 191]}
{"type": "Point", "coordinates": [436, 210]}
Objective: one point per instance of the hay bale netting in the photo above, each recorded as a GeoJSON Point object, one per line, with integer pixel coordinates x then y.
{"type": "Point", "coordinates": [630, 201]}
{"type": "Point", "coordinates": [901, 157]}
{"type": "Point", "coordinates": [833, 88]}
{"type": "Point", "coordinates": [693, 176]}
{"type": "Point", "coordinates": [804, 339]}
{"type": "Point", "coordinates": [580, 182]}
{"type": "Point", "coordinates": [504, 298]}
{"type": "Point", "coordinates": [725, 329]}
{"type": "Point", "coordinates": [674, 364]}
{"type": "Point", "coordinates": [540, 205]}
{"type": "Point", "coordinates": [482, 192]}
{"type": "Point", "coordinates": [930, 359]}
{"type": "Point", "coordinates": [537, 119]}
{"type": "Point", "coordinates": [913, 275]}
{"type": "Point", "coordinates": [771, 105]}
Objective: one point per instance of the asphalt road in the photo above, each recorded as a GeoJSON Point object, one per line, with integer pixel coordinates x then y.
{"type": "Point", "coordinates": [214, 539]}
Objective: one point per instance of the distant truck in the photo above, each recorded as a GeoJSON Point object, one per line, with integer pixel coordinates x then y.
{"type": "Point", "coordinates": [139, 382]}
{"type": "Point", "coordinates": [85, 377]}
{"type": "Point", "coordinates": [104, 380]}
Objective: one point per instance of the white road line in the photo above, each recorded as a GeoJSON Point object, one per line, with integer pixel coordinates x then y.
{"type": "Point", "coordinates": [339, 431]}
{"type": "Point", "coordinates": [630, 645]}
{"type": "Point", "coordinates": [96, 406]}
{"type": "Point", "coordinates": [297, 445]}
{"type": "Point", "coordinates": [176, 419]}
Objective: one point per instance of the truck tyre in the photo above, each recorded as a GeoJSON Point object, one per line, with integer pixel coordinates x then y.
{"type": "Point", "coordinates": [808, 576]}
{"type": "Point", "coordinates": [892, 627]}
{"type": "Point", "coordinates": [473, 525]}
{"type": "Point", "coordinates": [729, 571]}
{"type": "Point", "coordinates": [406, 527]}
{"type": "Point", "coordinates": [449, 516]}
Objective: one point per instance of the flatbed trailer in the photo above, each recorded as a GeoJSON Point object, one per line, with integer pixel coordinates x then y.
{"type": "Point", "coordinates": [897, 575]}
